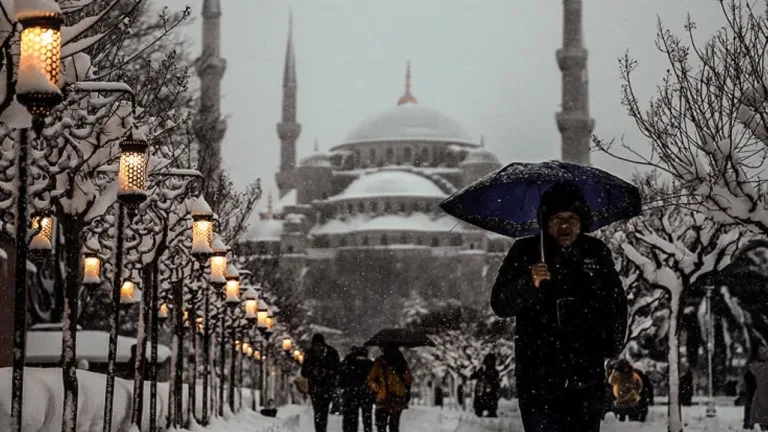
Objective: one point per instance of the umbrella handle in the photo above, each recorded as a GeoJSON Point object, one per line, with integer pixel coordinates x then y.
{"type": "Point", "coordinates": [541, 246]}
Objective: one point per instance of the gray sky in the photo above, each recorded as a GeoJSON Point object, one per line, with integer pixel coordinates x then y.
{"type": "Point", "coordinates": [489, 64]}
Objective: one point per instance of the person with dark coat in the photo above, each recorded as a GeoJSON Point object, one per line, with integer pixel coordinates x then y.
{"type": "Point", "coordinates": [750, 385]}
{"type": "Point", "coordinates": [357, 397]}
{"type": "Point", "coordinates": [320, 368]}
{"type": "Point", "coordinates": [390, 380]}
{"type": "Point", "coordinates": [571, 312]}
{"type": "Point", "coordinates": [487, 387]}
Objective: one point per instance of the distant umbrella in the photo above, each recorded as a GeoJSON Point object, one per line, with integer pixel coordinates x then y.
{"type": "Point", "coordinates": [401, 337]}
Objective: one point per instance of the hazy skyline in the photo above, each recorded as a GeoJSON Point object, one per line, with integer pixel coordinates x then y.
{"type": "Point", "coordinates": [491, 68]}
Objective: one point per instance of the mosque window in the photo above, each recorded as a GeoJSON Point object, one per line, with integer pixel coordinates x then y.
{"type": "Point", "coordinates": [361, 207]}
{"type": "Point", "coordinates": [407, 156]}
{"type": "Point", "coordinates": [416, 207]}
{"type": "Point", "coordinates": [350, 208]}
{"type": "Point", "coordinates": [390, 155]}
{"type": "Point", "coordinates": [435, 241]}
{"type": "Point", "coordinates": [424, 156]}
{"type": "Point", "coordinates": [419, 240]}
{"type": "Point", "coordinates": [402, 206]}
{"type": "Point", "coordinates": [403, 238]}
{"type": "Point", "coordinates": [387, 206]}
{"type": "Point", "coordinates": [374, 207]}
{"type": "Point", "coordinates": [343, 241]}
{"type": "Point", "coordinates": [384, 240]}
{"type": "Point", "coordinates": [365, 241]}
{"type": "Point", "coordinates": [372, 156]}
{"type": "Point", "coordinates": [456, 240]}
{"type": "Point", "coordinates": [289, 248]}
{"type": "Point", "coordinates": [471, 246]}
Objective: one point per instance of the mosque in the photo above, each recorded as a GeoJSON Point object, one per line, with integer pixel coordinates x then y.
{"type": "Point", "coordinates": [360, 224]}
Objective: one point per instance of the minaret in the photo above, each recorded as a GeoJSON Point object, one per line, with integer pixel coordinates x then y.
{"type": "Point", "coordinates": [407, 97]}
{"type": "Point", "coordinates": [573, 120]}
{"type": "Point", "coordinates": [210, 127]}
{"type": "Point", "coordinates": [288, 129]}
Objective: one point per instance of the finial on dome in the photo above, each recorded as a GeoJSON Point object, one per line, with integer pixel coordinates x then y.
{"type": "Point", "coordinates": [407, 97]}
{"type": "Point", "coordinates": [482, 140]}
{"type": "Point", "coordinates": [317, 146]}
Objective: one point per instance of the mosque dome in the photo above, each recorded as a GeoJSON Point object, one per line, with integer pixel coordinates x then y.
{"type": "Point", "coordinates": [480, 155]}
{"type": "Point", "coordinates": [265, 230]}
{"type": "Point", "coordinates": [391, 184]}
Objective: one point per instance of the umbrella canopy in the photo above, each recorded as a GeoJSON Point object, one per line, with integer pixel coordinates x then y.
{"type": "Point", "coordinates": [400, 337]}
{"type": "Point", "coordinates": [507, 200]}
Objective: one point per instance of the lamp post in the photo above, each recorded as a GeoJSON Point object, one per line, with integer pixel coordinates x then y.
{"type": "Point", "coordinates": [711, 410]}
{"type": "Point", "coordinates": [232, 300]}
{"type": "Point", "coordinates": [132, 177]}
{"type": "Point", "coordinates": [251, 306]}
{"type": "Point", "coordinates": [232, 277]}
{"type": "Point", "coordinates": [37, 88]}
{"type": "Point", "coordinates": [262, 325]}
{"type": "Point", "coordinates": [218, 280]}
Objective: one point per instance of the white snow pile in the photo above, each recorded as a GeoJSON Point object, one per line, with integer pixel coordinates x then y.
{"type": "Point", "coordinates": [43, 402]}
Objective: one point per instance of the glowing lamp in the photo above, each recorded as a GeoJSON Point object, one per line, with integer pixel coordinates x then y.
{"type": "Point", "coordinates": [249, 351]}
{"type": "Point", "coordinates": [296, 355]}
{"type": "Point", "coordinates": [132, 174]}
{"type": "Point", "coordinates": [42, 241]}
{"type": "Point", "coordinates": [200, 325]}
{"type": "Point", "coordinates": [245, 346]}
{"type": "Point", "coordinates": [301, 358]}
{"type": "Point", "coordinates": [233, 293]}
{"type": "Point", "coordinates": [251, 304]}
{"type": "Point", "coordinates": [270, 321]}
{"type": "Point", "coordinates": [202, 229]}
{"type": "Point", "coordinates": [91, 269]}
{"type": "Point", "coordinates": [262, 315]}
{"type": "Point", "coordinates": [218, 261]}
{"type": "Point", "coordinates": [257, 355]}
{"type": "Point", "coordinates": [287, 344]}
{"type": "Point", "coordinates": [162, 313]}
{"type": "Point", "coordinates": [39, 73]}
{"type": "Point", "coordinates": [185, 318]}
{"type": "Point", "coordinates": [127, 293]}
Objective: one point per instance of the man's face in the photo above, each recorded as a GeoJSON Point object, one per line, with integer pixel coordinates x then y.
{"type": "Point", "coordinates": [318, 346]}
{"type": "Point", "coordinates": [565, 227]}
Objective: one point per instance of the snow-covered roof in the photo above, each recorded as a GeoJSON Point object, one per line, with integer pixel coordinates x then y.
{"type": "Point", "coordinates": [394, 222]}
{"type": "Point", "coordinates": [390, 183]}
{"type": "Point", "coordinates": [265, 230]}
{"type": "Point", "coordinates": [409, 121]}
{"type": "Point", "coordinates": [45, 347]}
{"type": "Point", "coordinates": [480, 155]}
{"type": "Point", "coordinates": [316, 159]}
{"type": "Point", "coordinates": [288, 200]}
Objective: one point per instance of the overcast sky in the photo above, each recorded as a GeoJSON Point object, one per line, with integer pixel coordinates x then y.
{"type": "Point", "coordinates": [489, 64]}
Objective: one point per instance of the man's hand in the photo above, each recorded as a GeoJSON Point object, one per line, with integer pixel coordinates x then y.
{"type": "Point", "coordinates": [539, 272]}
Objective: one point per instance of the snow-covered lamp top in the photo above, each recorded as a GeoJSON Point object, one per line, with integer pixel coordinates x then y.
{"type": "Point", "coordinates": [202, 229]}
{"type": "Point", "coordinates": [251, 297]}
{"type": "Point", "coordinates": [218, 246]}
{"type": "Point", "coordinates": [129, 294]}
{"type": "Point", "coordinates": [162, 312]}
{"type": "Point", "coordinates": [201, 209]}
{"type": "Point", "coordinates": [232, 272]}
{"type": "Point", "coordinates": [39, 73]}
{"type": "Point", "coordinates": [42, 241]}
{"type": "Point", "coordinates": [287, 344]}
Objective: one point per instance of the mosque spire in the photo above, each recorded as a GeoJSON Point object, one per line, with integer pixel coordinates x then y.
{"type": "Point", "coordinates": [317, 146]}
{"type": "Point", "coordinates": [268, 214]}
{"type": "Point", "coordinates": [407, 97]}
{"type": "Point", "coordinates": [482, 140]}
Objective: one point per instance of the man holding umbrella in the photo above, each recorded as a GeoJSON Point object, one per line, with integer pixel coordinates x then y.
{"type": "Point", "coordinates": [571, 311]}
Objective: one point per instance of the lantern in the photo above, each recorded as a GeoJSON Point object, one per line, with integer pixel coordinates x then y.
{"type": "Point", "coordinates": [287, 344]}
{"type": "Point", "coordinates": [218, 261]}
{"type": "Point", "coordinates": [200, 325]}
{"type": "Point", "coordinates": [257, 355]}
{"type": "Point", "coordinates": [237, 344]}
{"type": "Point", "coordinates": [301, 358]}
{"type": "Point", "coordinates": [202, 229]}
{"type": "Point", "coordinates": [296, 355]}
{"type": "Point", "coordinates": [249, 351]}
{"type": "Point", "coordinates": [262, 315]}
{"type": "Point", "coordinates": [39, 73]}
{"type": "Point", "coordinates": [245, 347]}
{"type": "Point", "coordinates": [42, 241]}
{"type": "Point", "coordinates": [233, 293]}
{"type": "Point", "coordinates": [91, 269]}
{"type": "Point", "coordinates": [128, 293]}
{"type": "Point", "coordinates": [185, 318]}
{"type": "Point", "coordinates": [132, 174]}
{"type": "Point", "coordinates": [251, 304]}
{"type": "Point", "coordinates": [162, 313]}
{"type": "Point", "coordinates": [270, 321]}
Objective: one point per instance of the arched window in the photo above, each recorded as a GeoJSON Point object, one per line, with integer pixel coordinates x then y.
{"type": "Point", "coordinates": [372, 156]}
{"type": "Point", "coordinates": [343, 241]}
{"type": "Point", "coordinates": [403, 238]}
{"type": "Point", "coordinates": [416, 207]}
{"type": "Point", "coordinates": [435, 241]}
{"type": "Point", "coordinates": [419, 240]}
{"type": "Point", "coordinates": [402, 206]}
{"type": "Point", "coordinates": [407, 155]}
{"type": "Point", "coordinates": [384, 240]}
{"type": "Point", "coordinates": [350, 208]}
{"type": "Point", "coordinates": [374, 206]}
{"type": "Point", "coordinates": [471, 246]}
{"type": "Point", "coordinates": [365, 241]}
{"type": "Point", "coordinates": [456, 240]}
{"type": "Point", "coordinates": [424, 156]}
{"type": "Point", "coordinates": [361, 207]}
{"type": "Point", "coordinates": [390, 155]}
{"type": "Point", "coordinates": [387, 206]}
{"type": "Point", "coordinates": [289, 249]}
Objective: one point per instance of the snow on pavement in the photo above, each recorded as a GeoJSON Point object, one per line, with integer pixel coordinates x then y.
{"type": "Point", "coordinates": [415, 419]}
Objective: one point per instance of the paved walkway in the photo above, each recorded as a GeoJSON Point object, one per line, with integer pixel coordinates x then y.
{"type": "Point", "coordinates": [415, 419]}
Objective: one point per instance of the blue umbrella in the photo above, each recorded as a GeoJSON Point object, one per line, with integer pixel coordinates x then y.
{"type": "Point", "coordinates": [507, 201]}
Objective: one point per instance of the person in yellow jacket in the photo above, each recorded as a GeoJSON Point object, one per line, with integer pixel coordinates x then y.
{"type": "Point", "coordinates": [390, 380]}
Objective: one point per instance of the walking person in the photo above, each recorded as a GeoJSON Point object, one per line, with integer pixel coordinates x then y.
{"type": "Point", "coordinates": [357, 397]}
{"type": "Point", "coordinates": [571, 315]}
{"type": "Point", "coordinates": [391, 381]}
{"type": "Point", "coordinates": [320, 368]}
{"type": "Point", "coordinates": [746, 394]}
{"type": "Point", "coordinates": [487, 387]}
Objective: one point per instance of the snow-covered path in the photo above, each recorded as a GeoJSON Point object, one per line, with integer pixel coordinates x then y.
{"type": "Point", "coordinates": [415, 419]}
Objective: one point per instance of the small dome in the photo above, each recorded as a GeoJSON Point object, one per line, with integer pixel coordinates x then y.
{"type": "Point", "coordinates": [409, 121]}
{"type": "Point", "coordinates": [316, 159]}
{"type": "Point", "coordinates": [391, 183]}
{"type": "Point", "coordinates": [480, 155]}
{"type": "Point", "coordinates": [265, 230]}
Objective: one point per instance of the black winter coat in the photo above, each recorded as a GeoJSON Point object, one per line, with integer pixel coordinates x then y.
{"type": "Point", "coordinates": [321, 370]}
{"type": "Point", "coordinates": [353, 378]}
{"type": "Point", "coordinates": [571, 323]}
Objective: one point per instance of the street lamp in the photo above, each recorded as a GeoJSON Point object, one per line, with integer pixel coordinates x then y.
{"type": "Point", "coordinates": [163, 313]}
{"type": "Point", "coordinates": [42, 241]}
{"type": "Point", "coordinates": [711, 410]}
{"type": "Point", "coordinates": [128, 293]}
{"type": "Point", "coordinates": [218, 261]}
{"type": "Point", "coordinates": [287, 345]}
{"type": "Point", "coordinates": [91, 269]}
{"type": "Point", "coordinates": [251, 304]}
{"type": "Point", "coordinates": [202, 229]}
{"type": "Point", "coordinates": [132, 172]}
{"type": "Point", "coordinates": [37, 88]}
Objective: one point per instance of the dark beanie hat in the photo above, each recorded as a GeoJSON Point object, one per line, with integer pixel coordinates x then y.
{"type": "Point", "coordinates": [318, 338]}
{"type": "Point", "coordinates": [562, 197]}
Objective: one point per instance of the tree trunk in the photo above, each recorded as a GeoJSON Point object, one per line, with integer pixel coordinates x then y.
{"type": "Point", "coordinates": [674, 414]}
{"type": "Point", "coordinates": [114, 320]}
{"type": "Point", "coordinates": [178, 336]}
{"type": "Point", "coordinates": [232, 365]}
{"type": "Point", "coordinates": [720, 357]}
{"type": "Point", "coordinates": [222, 360]}
{"type": "Point", "coordinates": [141, 349]}
{"type": "Point", "coordinates": [206, 350]}
{"type": "Point", "coordinates": [71, 227]}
